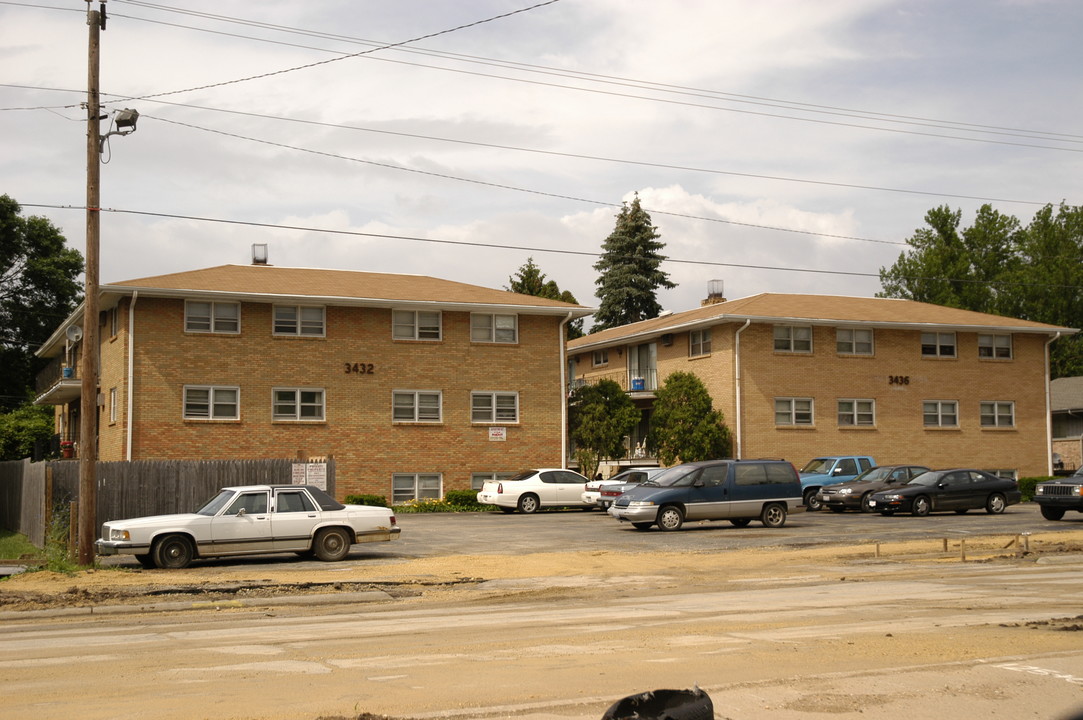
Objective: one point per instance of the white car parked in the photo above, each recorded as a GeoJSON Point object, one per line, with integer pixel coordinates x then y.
{"type": "Point", "coordinates": [530, 490]}
{"type": "Point", "coordinates": [247, 520]}
{"type": "Point", "coordinates": [593, 494]}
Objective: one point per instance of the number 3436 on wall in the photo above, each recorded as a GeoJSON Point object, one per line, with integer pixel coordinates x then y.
{"type": "Point", "coordinates": [898, 379]}
{"type": "Point", "coordinates": [360, 368]}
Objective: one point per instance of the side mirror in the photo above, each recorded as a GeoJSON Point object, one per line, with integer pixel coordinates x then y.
{"type": "Point", "coordinates": [242, 512]}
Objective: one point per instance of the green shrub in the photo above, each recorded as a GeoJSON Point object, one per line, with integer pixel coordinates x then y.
{"type": "Point", "coordinates": [430, 505]}
{"type": "Point", "coordinates": [464, 499]}
{"type": "Point", "coordinates": [58, 555]}
{"type": "Point", "coordinates": [373, 500]}
{"type": "Point", "coordinates": [1026, 486]}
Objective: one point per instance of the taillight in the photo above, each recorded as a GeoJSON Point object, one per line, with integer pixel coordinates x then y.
{"type": "Point", "coordinates": [499, 488]}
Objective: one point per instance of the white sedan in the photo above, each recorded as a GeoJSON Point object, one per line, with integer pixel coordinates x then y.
{"type": "Point", "coordinates": [531, 490]}
{"type": "Point", "coordinates": [247, 520]}
{"type": "Point", "coordinates": [593, 494]}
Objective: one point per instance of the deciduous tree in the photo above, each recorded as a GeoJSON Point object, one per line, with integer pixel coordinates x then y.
{"type": "Point", "coordinates": [599, 418]}
{"type": "Point", "coordinates": [685, 427]}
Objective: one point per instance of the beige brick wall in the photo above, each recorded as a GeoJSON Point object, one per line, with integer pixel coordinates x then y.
{"type": "Point", "coordinates": [358, 428]}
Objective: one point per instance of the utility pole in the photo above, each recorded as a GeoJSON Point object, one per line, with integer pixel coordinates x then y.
{"type": "Point", "coordinates": [88, 368]}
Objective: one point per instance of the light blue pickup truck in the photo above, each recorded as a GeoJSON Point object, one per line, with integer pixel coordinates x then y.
{"type": "Point", "coordinates": [830, 470]}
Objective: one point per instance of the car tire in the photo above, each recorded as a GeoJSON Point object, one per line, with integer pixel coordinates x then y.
{"type": "Point", "coordinates": [173, 552]}
{"type": "Point", "coordinates": [773, 515]}
{"type": "Point", "coordinates": [812, 500]}
{"type": "Point", "coordinates": [506, 509]}
{"type": "Point", "coordinates": [741, 522]}
{"type": "Point", "coordinates": [865, 507]}
{"type": "Point", "coordinates": [528, 504]}
{"type": "Point", "coordinates": [1052, 513]}
{"type": "Point", "coordinates": [331, 544]}
{"type": "Point", "coordinates": [642, 526]}
{"type": "Point", "coordinates": [670, 518]}
{"type": "Point", "coordinates": [921, 506]}
{"type": "Point", "coordinates": [995, 504]}
{"type": "Point", "coordinates": [146, 561]}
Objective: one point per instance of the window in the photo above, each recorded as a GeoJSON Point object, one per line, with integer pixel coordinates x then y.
{"type": "Point", "coordinates": [250, 502]}
{"type": "Point", "coordinates": [298, 404]}
{"type": "Point", "coordinates": [995, 346]}
{"type": "Point", "coordinates": [112, 405]}
{"type": "Point", "coordinates": [414, 486]}
{"type": "Point", "coordinates": [793, 338]}
{"type": "Point", "coordinates": [211, 403]}
{"type": "Point", "coordinates": [415, 325]}
{"type": "Point", "coordinates": [998, 414]}
{"type": "Point", "coordinates": [293, 501]}
{"type": "Point", "coordinates": [937, 344]}
{"type": "Point", "coordinates": [494, 328]}
{"type": "Point", "coordinates": [699, 342]}
{"type": "Point", "coordinates": [299, 321]}
{"type": "Point", "coordinates": [478, 479]}
{"type": "Point", "coordinates": [854, 412]}
{"type": "Point", "coordinates": [941, 413]}
{"type": "Point", "coordinates": [114, 322]}
{"type": "Point", "coordinates": [416, 406]}
{"type": "Point", "coordinates": [489, 407]}
{"type": "Point", "coordinates": [793, 411]}
{"type": "Point", "coordinates": [599, 357]}
{"type": "Point", "coordinates": [212, 317]}
{"type": "Point", "coordinates": [853, 341]}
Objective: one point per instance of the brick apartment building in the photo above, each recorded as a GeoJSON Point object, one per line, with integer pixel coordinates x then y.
{"type": "Point", "coordinates": [415, 385]}
{"type": "Point", "coordinates": [798, 376]}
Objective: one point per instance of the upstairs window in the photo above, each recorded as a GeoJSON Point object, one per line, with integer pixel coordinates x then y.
{"type": "Point", "coordinates": [793, 338]}
{"type": "Point", "coordinates": [298, 404]}
{"type": "Point", "coordinates": [937, 344]}
{"type": "Point", "coordinates": [998, 414]}
{"type": "Point", "coordinates": [494, 328]}
{"type": "Point", "coordinates": [211, 403]}
{"type": "Point", "coordinates": [854, 412]}
{"type": "Point", "coordinates": [416, 406]}
{"type": "Point", "coordinates": [853, 341]}
{"type": "Point", "coordinates": [494, 407]}
{"type": "Point", "coordinates": [599, 357]}
{"type": "Point", "coordinates": [941, 413]}
{"type": "Point", "coordinates": [212, 317]}
{"type": "Point", "coordinates": [416, 325]}
{"type": "Point", "coordinates": [299, 321]}
{"type": "Point", "coordinates": [699, 342]}
{"type": "Point", "coordinates": [793, 411]}
{"type": "Point", "coordinates": [998, 347]}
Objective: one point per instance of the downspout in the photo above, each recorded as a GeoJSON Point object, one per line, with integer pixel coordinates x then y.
{"type": "Point", "coordinates": [564, 391]}
{"type": "Point", "coordinates": [1049, 410]}
{"type": "Point", "coordinates": [737, 381]}
{"type": "Point", "coordinates": [131, 363]}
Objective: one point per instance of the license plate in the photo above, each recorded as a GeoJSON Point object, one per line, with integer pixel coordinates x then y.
{"type": "Point", "coordinates": [872, 503]}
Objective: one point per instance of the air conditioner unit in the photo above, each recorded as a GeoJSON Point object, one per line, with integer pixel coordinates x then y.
{"type": "Point", "coordinates": [667, 339]}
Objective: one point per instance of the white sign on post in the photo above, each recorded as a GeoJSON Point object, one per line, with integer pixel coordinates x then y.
{"type": "Point", "coordinates": [310, 474]}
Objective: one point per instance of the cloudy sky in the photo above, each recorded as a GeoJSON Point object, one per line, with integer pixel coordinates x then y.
{"type": "Point", "coordinates": [780, 146]}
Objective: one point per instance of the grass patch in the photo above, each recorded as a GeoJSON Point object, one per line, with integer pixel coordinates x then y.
{"type": "Point", "coordinates": [14, 546]}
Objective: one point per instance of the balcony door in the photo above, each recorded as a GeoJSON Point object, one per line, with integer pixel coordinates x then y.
{"type": "Point", "coordinates": [643, 367]}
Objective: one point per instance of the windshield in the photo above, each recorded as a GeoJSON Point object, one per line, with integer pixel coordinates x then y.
{"type": "Point", "coordinates": [216, 503]}
{"type": "Point", "coordinates": [817, 465]}
{"type": "Point", "coordinates": [674, 477]}
{"type": "Point", "coordinates": [877, 473]}
{"type": "Point", "coordinates": [927, 478]}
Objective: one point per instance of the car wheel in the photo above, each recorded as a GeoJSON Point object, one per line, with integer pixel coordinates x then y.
{"type": "Point", "coordinates": [773, 515]}
{"type": "Point", "coordinates": [331, 544]}
{"type": "Point", "coordinates": [921, 506]}
{"type": "Point", "coordinates": [173, 552]}
{"type": "Point", "coordinates": [865, 499]}
{"type": "Point", "coordinates": [528, 504]}
{"type": "Point", "coordinates": [670, 518]}
{"type": "Point", "coordinates": [995, 504]}
{"type": "Point", "coordinates": [812, 500]}
{"type": "Point", "coordinates": [506, 509]}
{"type": "Point", "coordinates": [146, 561]}
{"type": "Point", "coordinates": [741, 522]}
{"type": "Point", "coordinates": [1052, 513]}
{"type": "Point", "coordinates": [642, 526]}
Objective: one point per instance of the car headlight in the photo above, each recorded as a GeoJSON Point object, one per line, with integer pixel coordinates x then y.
{"type": "Point", "coordinates": [119, 535]}
{"type": "Point", "coordinates": [892, 498]}
{"type": "Point", "coordinates": [640, 503]}
{"type": "Point", "coordinates": [844, 491]}
{"type": "Point", "coordinates": [1039, 490]}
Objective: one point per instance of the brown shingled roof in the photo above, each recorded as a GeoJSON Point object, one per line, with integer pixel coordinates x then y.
{"type": "Point", "coordinates": [273, 281]}
{"type": "Point", "coordinates": [818, 309]}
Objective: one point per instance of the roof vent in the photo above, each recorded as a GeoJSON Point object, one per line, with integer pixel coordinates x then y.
{"type": "Point", "coordinates": [715, 293]}
{"type": "Point", "coordinates": [259, 253]}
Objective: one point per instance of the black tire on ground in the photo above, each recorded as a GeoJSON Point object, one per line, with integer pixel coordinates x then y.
{"type": "Point", "coordinates": [146, 561]}
{"type": "Point", "coordinates": [173, 552]}
{"type": "Point", "coordinates": [921, 506]}
{"type": "Point", "coordinates": [642, 526]}
{"type": "Point", "coordinates": [528, 504]}
{"type": "Point", "coordinates": [1052, 513]}
{"type": "Point", "coordinates": [741, 522]}
{"type": "Point", "coordinates": [812, 500]}
{"type": "Point", "coordinates": [331, 544]}
{"type": "Point", "coordinates": [995, 504]}
{"type": "Point", "coordinates": [670, 518]}
{"type": "Point", "coordinates": [865, 507]}
{"type": "Point", "coordinates": [773, 515]}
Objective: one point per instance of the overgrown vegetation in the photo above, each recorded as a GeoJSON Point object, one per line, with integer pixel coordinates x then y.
{"type": "Point", "coordinates": [453, 501]}
{"type": "Point", "coordinates": [14, 546]}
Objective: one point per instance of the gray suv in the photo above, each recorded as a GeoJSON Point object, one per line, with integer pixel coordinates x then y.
{"type": "Point", "coordinates": [736, 490]}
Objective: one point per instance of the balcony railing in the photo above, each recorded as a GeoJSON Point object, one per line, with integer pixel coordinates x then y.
{"type": "Point", "coordinates": [629, 381]}
{"type": "Point", "coordinates": [58, 383]}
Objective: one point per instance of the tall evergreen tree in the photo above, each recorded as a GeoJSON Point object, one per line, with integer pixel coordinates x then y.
{"type": "Point", "coordinates": [628, 271]}
{"type": "Point", "coordinates": [530, 280]}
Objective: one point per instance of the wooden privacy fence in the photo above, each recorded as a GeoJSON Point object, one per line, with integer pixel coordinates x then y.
{"type": "Point", "coordinates": [134, 489]}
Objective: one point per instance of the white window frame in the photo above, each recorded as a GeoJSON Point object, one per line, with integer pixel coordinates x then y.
{"type": "Point", "coordinates": [421, 487]}
{"type": "Point", "coordinates": [699, 342]}
{"type": "Point", "coordinates": [213, 404]}
{"type": "Point", "coordinates": [494, 328]}
{"type": "Point", "coordinates": [997, 413]}
{"type": "Point", "coordinates": [939, 343]}
{"type": "Point", "coordinates": [425, 325]}
{"type": "Point", "coordinates": [112, 405]}
{"type": "Point", "coordinates": [213, 322]}
{"type": "Point", "coordinates": [940, 411]}
{"type": "Point", "coordinates": [787, 339]}
{"type": "Point", "coordinates": [861, 413]}
{"type": "Point", "coordinates": [299, 403]}
{"type": "Point", "coordinates": [494, 413]}
{"type": "Point", "coordinates": [799, 411]}
{"type": "Point", "coordinates": [994, 346]}
{"type": "Point", "coordinates": [847, 341]}
{"type": "Point", "coordinates": [599, 357]}
{"type": "Point", "coordinates": [299, 325]}
{"type": "Point", "coordinates": [420, 413]}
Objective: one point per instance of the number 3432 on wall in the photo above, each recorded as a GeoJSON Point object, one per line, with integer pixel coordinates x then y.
{"type": "Point", "coordinates": [360, 368]}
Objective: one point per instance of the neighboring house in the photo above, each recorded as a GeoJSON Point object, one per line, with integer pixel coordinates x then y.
{"type": "Point", "coordinates": [798, 376]}
{"type": "Point", "coordinates": [1066, 404]}
{"type": "Point", "coordinates": [415, 385]}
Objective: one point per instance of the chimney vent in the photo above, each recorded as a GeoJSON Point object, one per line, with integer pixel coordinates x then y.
{"type": "Point", "coordinates": [259, 253]}
{"type": "Point", "coordinates": [715, 293]}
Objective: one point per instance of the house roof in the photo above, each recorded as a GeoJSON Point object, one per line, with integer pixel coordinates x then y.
{"type": "Point", "coordinates": [817, 310]}
{"type": "Point", "coordinates": [1066, 394]}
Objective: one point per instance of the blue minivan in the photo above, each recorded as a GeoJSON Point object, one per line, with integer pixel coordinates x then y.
{"type": "Point", "coordinates": [736, 490]}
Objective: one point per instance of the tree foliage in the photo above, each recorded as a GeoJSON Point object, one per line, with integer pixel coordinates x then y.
{"type": "Point", "coordinates": [38, 290]}
{"type": "Point", "coordinates": [685, 427]}
{"type": "Point", "coordinates": [599, 418]}
{"type": "Point", "coordinates": [629, 271]}
{"type": "Point", "coordinates": [530, 280]}
{"type": "Point", "coordinates": [998, 266]}
{"type": "Point", "coordinates": [21, 428]}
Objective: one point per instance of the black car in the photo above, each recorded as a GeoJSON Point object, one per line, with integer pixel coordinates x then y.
{"type": "Point", "coordinates": [959, 490]}
{"type": "Point", "coordinates": [855, 494]}
{"type": "Point", "coordinates": [1055, 497]}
